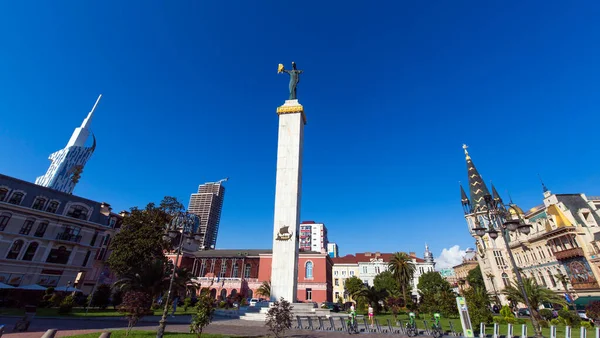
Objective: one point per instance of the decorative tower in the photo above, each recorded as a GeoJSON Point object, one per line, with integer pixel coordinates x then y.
{"type": "Point", "coordinates": [67, 164]}
{"type": "Point", "coordinates": [286, 224]}
{"type": "Point", "coordinates": [428, 256]}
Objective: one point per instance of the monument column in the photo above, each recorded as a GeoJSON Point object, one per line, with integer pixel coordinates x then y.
{"type": "Point", "coordinates": [284, 264]}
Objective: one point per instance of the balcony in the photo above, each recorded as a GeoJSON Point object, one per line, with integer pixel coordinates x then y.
{"type": "Point", "coordinates": [69, 237]}
{"type": "Point", "coordinates": [569, 253]}
{"type": "Point", "coordinates": [584, 285]}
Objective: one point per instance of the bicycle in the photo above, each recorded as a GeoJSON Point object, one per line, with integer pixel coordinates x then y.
{"type": "Point", "coordinates": [411, 326]}
{"type": "Point", "coordinates": [351, 324]}
{"type": "Point", "coordinates": [436, 327]}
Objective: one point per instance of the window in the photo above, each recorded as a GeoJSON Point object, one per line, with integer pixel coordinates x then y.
{"type": "Point", "coordinates": [16, 198]}
{"type": "Point", "coordinates": [542, 279]}
{"type": "Point", "coordinates": [38, 204]}
{"type": "Point", "coordinates": [552, 281]}
{"type": "Point", "coordinates": [364, 269]}
{"type": "Point", "coordinates": [235, 270]}
{"type": "Point", "coordinates": [4, 218]}
{"type": "Point", "coordinates": [309, 294]}
{"type": "Point", "coordinates": [41, 229]}
{"type": "Point", "coordinates": [26, 228]}
{"type": "Point", "coordinates": [309, 272]}
{"type": "Point", "coordinates": [87, 258]}
{"type": "Point", "coordinates": [337, 295]}
{"type": "Point", "coordinates": [59, 255]}
{"type": "Point", "coordinates": [337, 282]}
{"type": "Point", "coordinates": [30, 252]}
{"type": "Point", "coordinates": [377, 270]}
{"type": "Point", "coordinates": [247, 271]}
{"type": "Point", "coordinates": [223, 269]}
{"type": "Point", "coordinates": [505, 279]}
{"type": "Point", "coordinates": [335, 273]}
{"type": "Point", "coordinates": [352, 273]}
{"type": "Point", "coordinates": [202, 268]}
{"type": "Point", "coordinates": [52, 207]}
{"type": "Point", "coordinates": [343, 273]}
{"type": "Point", "coordinates": [15, 249]}
{"type": "Point", "coordinates": [3, 194]}
{"type": "Point", "coordinates": [499, 258]}
{"type": "Point", "coordinates": [78, 211]}
{"type": "Point", "coordinates": [93, 241]}
{"type": "Point", "coordinates": [106, 240]}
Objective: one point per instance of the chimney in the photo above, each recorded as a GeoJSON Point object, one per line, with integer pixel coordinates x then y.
{"type": "Point", "coordinates": [105, 209]}
{"type": "Point", "coordinates": [412, 254]}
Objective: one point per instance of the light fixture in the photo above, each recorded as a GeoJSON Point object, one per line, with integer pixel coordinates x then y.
{"type": "Point", "coordinates": [525, 229]}
{"type": "Point", "coordinates": [512, 225]}
{"type": "Point", "coordinates": [173, 233]}
{"type": "Point", "coordinates": [479, 231]}
{"type": "Point", "coordinates": [493, 233]}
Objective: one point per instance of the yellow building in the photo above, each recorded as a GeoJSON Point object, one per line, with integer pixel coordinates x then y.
{"type": "Point", "coordinates": [343, 268]}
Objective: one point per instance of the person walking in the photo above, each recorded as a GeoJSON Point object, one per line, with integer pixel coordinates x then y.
{"type": "Point", "coordinates": [371, 315]}
{"type": "Point", "coordinates": [175, 301]}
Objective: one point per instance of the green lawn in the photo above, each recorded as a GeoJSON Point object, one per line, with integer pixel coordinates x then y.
{"type": "Point", "coordinates": [80, 312]}
{"type": "Point", "coordinates": [148, 334]}
{"type": "Point", "coordinates": [489, 329]}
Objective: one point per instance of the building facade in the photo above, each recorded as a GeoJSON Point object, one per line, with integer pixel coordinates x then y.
{"type": "Point", "coordinates": [49, 237]}
{"type": "Point", "coordinates": [332, 250]}
{"type": "Point", "coordinates": [207, 204]}
{"type": "Point", "coordinates": [229, 272]}
{"type": "Point", "coordinates": [461, 271]}
{"type": "Point", "coordinates": [313, 237]}
{"type": "Point", "coordinates": [343, 268]}
{"type": "Point", "coordinates": [561, 241]}
{"type": "Point", "coordinates": [67, 164]}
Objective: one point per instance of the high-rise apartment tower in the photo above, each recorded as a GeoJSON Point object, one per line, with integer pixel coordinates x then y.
{"type": "Point", "coordinates": [207, 204]}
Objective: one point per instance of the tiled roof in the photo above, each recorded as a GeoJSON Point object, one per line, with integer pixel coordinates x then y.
{"type": "Point", "coordinates": [366, 257]}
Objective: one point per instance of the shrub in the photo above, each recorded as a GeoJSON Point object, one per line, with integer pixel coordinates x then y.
{"type": "Point", "coordinates": [556, 321]}
{"type": "Point", "coordinates": [510, 320]}
{"type": "Point", "coordinates": [544, 324]}
{"type": "Point", "coordinates": [244, 302]}
{"type": "Point", "coordinates": [569, 317]}
{"type": "Point", "coordinates": [546, 314]}
{"type": "Point", "coordinates": [222, 304]}
{"type": "Point", "coordinates": [520, 321]}
{"type": "Point", "coordinates": [101, 297]}
{"type": "Point", "coordinates": [499, 320]}
{"type": "Point", "coordinates": [135, 305]}
{"type": "Point", "coordinates": [279, 317]}
{"type": "Point", "coordinates": [117, 298]}
{"type": "Point", "coordinates": [586, 325]}
{"type": "Point", "coordinates": [505, 312]}
{"type": "Point", "coordinates": [593, 310]}
{"type": "Point", "coordinates": [186, 303]}
{"type": "Point", "coordinates": [55, 300]}
{"type": "Point", "coordinates": [47, 298]}
{"type": "Point", "coordinates": [205, 307]}
{"type": "Point", "coordinates": [66, 306]}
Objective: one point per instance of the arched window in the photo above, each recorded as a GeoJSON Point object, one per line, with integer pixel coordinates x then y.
{"type": "Point", "coordinates": [249, 293]}
{"type": "Point", "coordinates": [235, 270]}
{"type": "Point", "coordinates": [233, 293]}
{"type": "Point", "coordinates": [4, 218]}
{"type": "Point", "coordinates": [52, 207]}
{"type": "Point", "coordinates": [247, 270]}
{"type": "Point", "coordinates": [78, 211]}
{"type": "Point", "coordinates": [16, 198]}
{"type": "Point", "coordinates": [223, 294]}
{"type": "Point", "coordinates": [39, 203]}
{"type": "Point", "coordinates": [505, 279]}
{"type": "Point", "coordinates": [27, 225]}
{"type": "Point", "coordinates": [552, 281]}
{"type": "Point", "coordinates": [542, 279]}
{"type": "Point", "coordinates": [41, 229]}
{"type": "Point", "coordinates": [309, 269]}
{"type": "Point", "coordinates": [30, 252]}
{"type": "Point", "coordinates": [213, 293]}
{"type": "Point", "coordinates": [3, 194]}
{"type": "Point", "coordinates": [15, 249]}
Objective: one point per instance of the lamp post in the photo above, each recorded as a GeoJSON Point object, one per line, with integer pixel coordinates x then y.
{"type": "Point", "coordinates": [500, 221]}
{"type": "Point", "coordinates": [184, 225]}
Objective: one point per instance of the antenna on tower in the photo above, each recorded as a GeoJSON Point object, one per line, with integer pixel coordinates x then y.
{"type": "Point", "coordinates": [544, 188]}
{"type": "Point", "coordinates": [223, 180]}
{"type": "Point", "coordinates": [95, 104]}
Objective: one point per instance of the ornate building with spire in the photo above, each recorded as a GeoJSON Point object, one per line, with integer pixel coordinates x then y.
{"type": "Point", "coordinates": [67, 164]}
{"type": "Point", "coordinates": [560, 252]}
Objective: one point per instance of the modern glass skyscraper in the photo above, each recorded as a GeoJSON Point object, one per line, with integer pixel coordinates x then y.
{"type": "Point", "coordinates": [207, 204]}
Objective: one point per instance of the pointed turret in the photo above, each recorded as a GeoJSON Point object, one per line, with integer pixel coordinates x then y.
{"type": "Point", "coordinates": [477, 188]}
{"type": "Point", "coordinates": [496, 195]}
{"type": "Point", "coordinates": [428, 256]}
{"type": "Point", "coordinates": [81, 134]}
{"type": "Point", "coordinates": [464, 200]}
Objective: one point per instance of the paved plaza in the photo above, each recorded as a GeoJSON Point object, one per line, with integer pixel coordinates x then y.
{"type": "Point", "coordinates": [235, 327]}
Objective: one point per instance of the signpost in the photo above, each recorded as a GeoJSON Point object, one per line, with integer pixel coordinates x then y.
{"type": "Point", "coordinates": [465, 320]}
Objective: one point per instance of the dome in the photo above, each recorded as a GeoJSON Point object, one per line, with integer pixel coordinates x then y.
{"type": "Point", "coordinates": [515, 209]}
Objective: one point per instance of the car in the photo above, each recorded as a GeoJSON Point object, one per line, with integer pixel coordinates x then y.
{"type": "Point", "coordinates": [334, 307]}
{"type": "Point", "coordinates": [524, 312]}
{"type": "Point", "coordinates": [582, 314]}
{"type": "Point", "coordinates": [253, 301]}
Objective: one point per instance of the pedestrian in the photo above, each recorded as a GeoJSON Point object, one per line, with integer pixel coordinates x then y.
{"type": "Point", "coordinates": [371, 315]}
{"type": "Point", "coordinates": [175, 301]}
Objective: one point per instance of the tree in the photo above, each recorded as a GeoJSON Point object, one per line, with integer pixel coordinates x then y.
{"type": "Point", "coordinates": [592, 310]}
{"type": "Point", "coordinates": [153, 280]}
{"type": "Point", "coordinates": [386, 281]}
{"type": "Point", "coordinates": [478, 302]}
{"type": "Point", "coordinates": [139, 244]}
{"type": "Point", "coordinates": [564, 281]}
{"type": "Point", "coordinates": [265, 289]}
{"type": "Point", "coordinates": [101, 297]}
{"type": "Point", "coordinates": [436, 294]}
{"type": "Point", "coordinates": [395, 304]}
{"type": "Point", "coordinates": [117, 298]}
{"type": "Point", "coordinates": [536, 294]}
{"type": "Point", "coordinates": [371, 296]}
{"type": "Point", "coordinates": [353, 285]}
{"type": "Point", "coordinates": [475, 278]}
{"type": "Point", "coordinates": [403, 270]}
{"type": "Point", "coordinates": [279, 317]}
{"type": "Point", "coordinates": [205, 308]}
{"type": "Point", "coordinates": [135, 305]}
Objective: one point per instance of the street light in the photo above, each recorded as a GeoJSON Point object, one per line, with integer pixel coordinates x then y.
{"type": "Point", "coordinates": [500, 221]}
{"type": "Point", "coordinates": [184, 225]}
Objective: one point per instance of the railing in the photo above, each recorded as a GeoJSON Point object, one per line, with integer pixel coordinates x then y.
{"type": "Point", "coordinates": [569, 253]}
{"type": "Point", "coordinates": [584, 285]}
{"type": "Point", "coordinates": [67, 236]}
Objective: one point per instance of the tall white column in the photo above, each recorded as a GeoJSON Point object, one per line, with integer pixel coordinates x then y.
{"type": "Point", "coordinates": [284, 265]}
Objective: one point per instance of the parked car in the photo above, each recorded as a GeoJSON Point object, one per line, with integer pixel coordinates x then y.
{"type": "Point", "coordinates": [524, 312]}
{"type": "Point", "coordinates": [253, 301]}
{"type": "Point", "coordinates": [582, 315]}
{"type": "Point", "coordinates": [334, 307]}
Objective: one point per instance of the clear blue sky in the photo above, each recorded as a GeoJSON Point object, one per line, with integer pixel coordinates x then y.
{"type": "Point", "coordinates": [392, 89]}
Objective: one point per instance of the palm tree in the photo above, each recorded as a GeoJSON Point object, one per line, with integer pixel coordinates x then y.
{"type": "Point", "coordinates": [564, 280]}
{"type": "Point", "coordinates": [403, 270]}
{"type": "Point", "coordinates": [536, 294]}
{"type": "Point", "coordinates": [264, 289]}
{"type": "Point", "coordinates": [371, 295]}
{"type": "Point", "coordinates": [150, 280]}
{"type": "Point", "coordinates": [183, 279]}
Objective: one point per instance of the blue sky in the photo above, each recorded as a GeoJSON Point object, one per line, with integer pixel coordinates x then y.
{"type": "Point", "coordinates": [391, 92]}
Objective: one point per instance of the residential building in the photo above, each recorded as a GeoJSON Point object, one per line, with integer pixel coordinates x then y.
{"type": "Point", "coordinates": [49, 237]}
{"type": "Point", "coordinates": [367, 265]}
{"type": "Point", "coordinates": [207, 204]}
{"type": "Point", "coordinates": [229, 272]}
{"type": "Point", "coordinates": [67, 164]}
{"type": "Point", "coordinates": [313, 236]}
{"type": "Point", "coordinates": [332, 250]}
{"type": "Point", "coordinates": [450, 276]}
{"type": "Point", "coordinates": [461, 271]}
{"type": "Point", "coordinates": [561, 240]}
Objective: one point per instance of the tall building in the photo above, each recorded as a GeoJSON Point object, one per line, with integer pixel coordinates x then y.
{"type": "Point", "coordinates": [563, 240]}
{"type": "Point", "coordinates": [67, 164]}
{"type": "Point", "coordinates": [207, 204]}
{"type": "Point", "coordinates": [332, 250]}
{"type": "Point", "coordinates": [313, 236]}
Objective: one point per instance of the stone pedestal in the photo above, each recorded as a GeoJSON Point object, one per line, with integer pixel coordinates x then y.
{"type": "Point", "coordinates": [284, 266]}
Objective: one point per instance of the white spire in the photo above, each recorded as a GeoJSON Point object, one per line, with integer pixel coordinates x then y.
{"type": "Point", "coordinates": [81, 134]}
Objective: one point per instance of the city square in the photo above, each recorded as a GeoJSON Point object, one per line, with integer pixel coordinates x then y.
{"type": "Point", "coordinates": [299, 199]}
